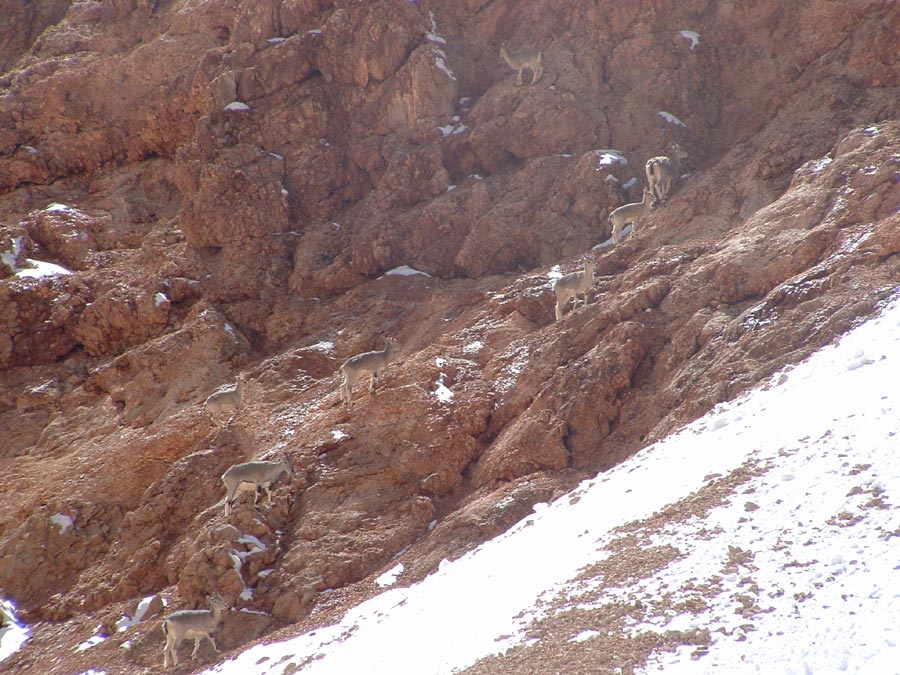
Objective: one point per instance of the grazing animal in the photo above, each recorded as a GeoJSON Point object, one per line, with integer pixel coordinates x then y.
{"type": "Point", "coordinates": [630, 213]}
{"type": "Point", "coordinates": [367, 363]}
{"type": "Point", "coordinates": [252, 476]}
{"type": "Point", "coordinates": [226, 401]}
{"type": "Point", "coordinates": [195, 624]}
{"type": "Point", "coordinates": [664, 170]}
{"type": "Point", "coordinates": [519, 60]}
{"type": "Point", "coordinates": [572, 285]}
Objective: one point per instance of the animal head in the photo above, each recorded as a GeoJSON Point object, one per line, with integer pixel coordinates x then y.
{"type": "Point", "coordinates": [391, 342]}
{"type": "Point", "coordinates": [288, 462]}
{"type": "Point", "coordinates": [216, 600]}
{"type": "Point", "coordinates": [675, 150]}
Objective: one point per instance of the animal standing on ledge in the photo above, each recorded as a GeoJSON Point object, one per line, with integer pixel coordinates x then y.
{"type": "Point", "coordinates": [519, 60]}
{"type": "Point", "coordinates": [196, 624]}
{"type": "Point", "coordinates": [662, 171]}
{"type": "Point", "coordinates": [226, 401]}
{"type": "Point", "coordinates": [572, 285]}
{"type": "Point", "coordinates": [630, 213]}
{"type": "Point", "coordinates": [253, 476]}
{"type": "Point", "coordinates": [367, 363]}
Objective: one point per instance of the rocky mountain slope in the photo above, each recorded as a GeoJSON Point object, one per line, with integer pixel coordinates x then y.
{"type": "Point", "coordinates": [228, 183]}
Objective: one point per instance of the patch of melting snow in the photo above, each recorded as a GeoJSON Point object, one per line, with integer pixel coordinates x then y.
{"type": "Point", "coordinates": [671, 119]}
{"type": "Point", "coordinates": [126, 622]}
{"type": "Point", "coordinates": [275, 40]}
{"type": "Point", "coordinates": [63, 522]}
{"type": "Point", "coordinates": [506, 382]}
{"type": "Point", "coordinates": [691, 35]}
{"type": "Point", "coordinates": [609, 242]}
{"type": "Point", "coordinates": [473, 347]}
{"type": "Point", "coordinates": [452, 129]}
{"type": "Point", "coordinates": [39, 269]}
{"type": "Point", "coordinates": [815, 165]}
{"type": "Point", "coordinates": [255, 544]}
{"type": "Point", "coordinates": [609, 157]}
{"type": "Point", "coordinates": [442, 393]}
{"type": "Point", "coordinates": [230, 330]}
{"type": "Point", "coordinates": [586, 634]}
{"type": "Point", "coordinates": [390, 577]}
{"type": "Point", "coordinates": [404, 271]}
{"type": "Point", "coordinates": [9, 257]}
{"type": "Point", "coordinates": [325, 346]}
{"type": "Point", "coordinates": [339, 435]}
{"type": "Point", "coordinates": [439, 62]}
{"type": "Point", "coordinates": [238, 106]}
{"type": "Point", "coordinates": [160, 299]}
{"type": "Point", "coordinates": [56, 207]}
{"type": "Point", "coordinates": [92, 641]}
{"type": "Point", "coordinates": [12, 635]}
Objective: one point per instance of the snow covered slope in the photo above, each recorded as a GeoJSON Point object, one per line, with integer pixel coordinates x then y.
{"type": "Point", "coordinates": [790, 566]}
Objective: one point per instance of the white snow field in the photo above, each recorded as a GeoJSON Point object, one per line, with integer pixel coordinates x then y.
{"type": "Point", "coordinates": [805, 550]}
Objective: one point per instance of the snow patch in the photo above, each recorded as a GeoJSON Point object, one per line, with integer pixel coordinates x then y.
{"type": "Point", "coordinates": [40, 269]}
{"type": "Point", "coordinates": [473, 347]}
{"type": "Point", "coordinates": [339, 435]}
{"type": "Point", "coordinates": [127, 622]}
{"type": "Point", "coordinates": [12, 635]}
{"type": "Point", "coordinates": [671, 119]}
{"type": "Point", "coordinates": [609, 242]}
{"type": "Point", "coordinates": [439, 62]}
{"type": "Point", "coordinates": [691, 35]}
{"type": "Point", "coordinates": [56, 207]}
{"type": "Point", "coordinates": [63, 522]}
{"type": "Point", "coordinates": [92, 641]}
{"type": "Point", "coordinates": [609, 157]}
{"type": "Point", "coordinates": [160, 299]}
{"type": "Point", "coordinates": [389, 578]}
{"type": "Point", "coordinates": [324, 346]}
{"type": "Point", "coordinates": [441, 392]}
{"type": "Point", "coordinates": [404, 271]}
{"type": "Point", "coordinates": [9, 257]}
{"type": "Point", "coordinates": [238, 106]}
{"type": "Point", "coordinates": [586, 634]}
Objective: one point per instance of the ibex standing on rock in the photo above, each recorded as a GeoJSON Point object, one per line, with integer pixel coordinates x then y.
{"type": "Point", "coordinates": [226, 401]}
{"type": "Point", "coordinates": [572, 285]}
{"type": "Point", "coordinates": [519, 60]}
{"type": "Point", "coordinates": [367, 363]}
{"type": "Point", "coordinates": [663, 170]}
{"type": "Point", "coordinates": [252, 476]}
{"type": "Point", "coordinates": [195, 624]}
{"type": "Point", "coordinates": [630, 213]}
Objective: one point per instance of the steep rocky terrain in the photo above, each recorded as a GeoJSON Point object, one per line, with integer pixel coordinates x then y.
{"type": "Point", "coordinates": [228, 183]}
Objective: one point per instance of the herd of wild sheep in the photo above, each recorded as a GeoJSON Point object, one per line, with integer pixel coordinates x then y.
{"type": "Point", "coordinates": [224, 405]}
